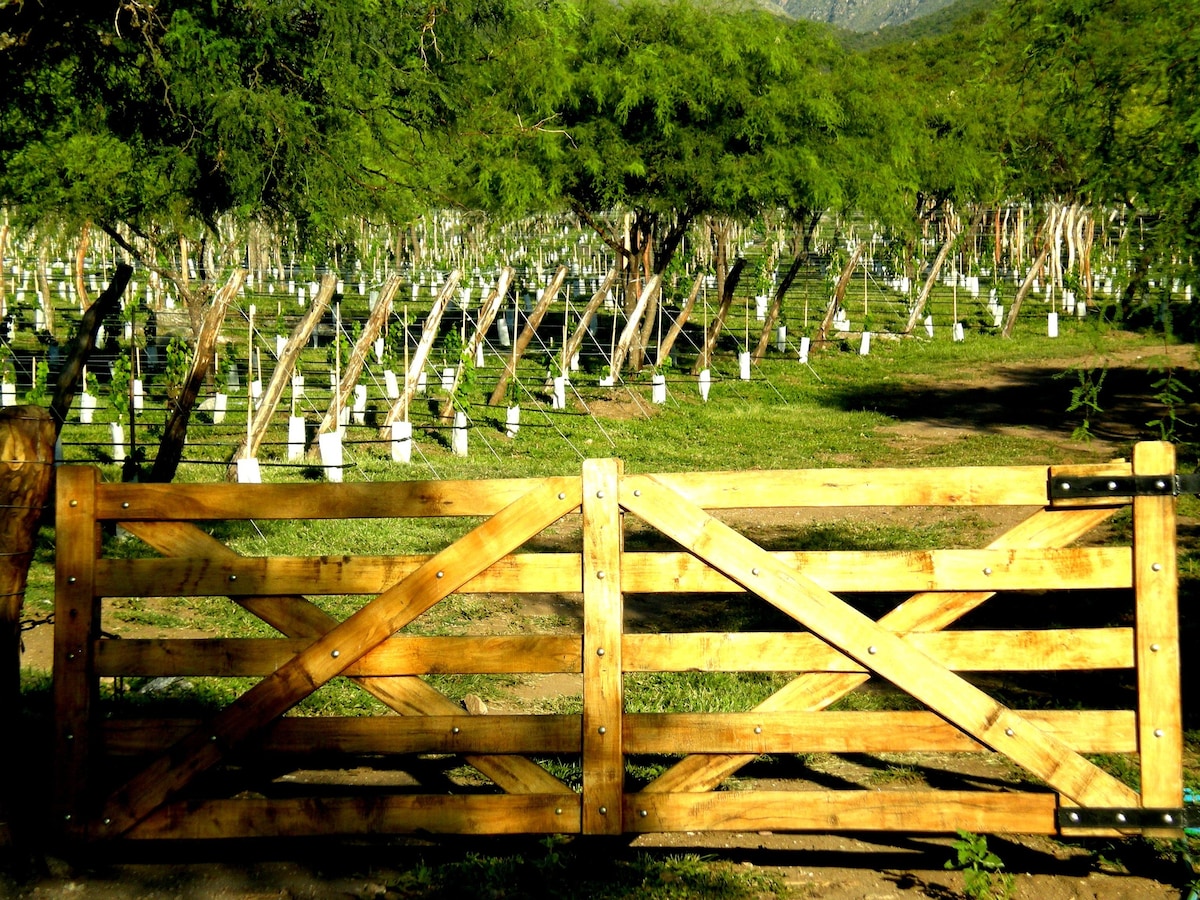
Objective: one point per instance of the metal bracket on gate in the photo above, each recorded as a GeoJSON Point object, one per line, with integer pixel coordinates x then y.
{"type": "Point", "coordinates": [1067, 487]}
{"type": "Point", "coordinates": [1081, 817]}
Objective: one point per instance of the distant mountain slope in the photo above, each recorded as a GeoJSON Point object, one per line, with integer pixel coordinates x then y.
{"type": "Point", "coordinates": [863, 15]}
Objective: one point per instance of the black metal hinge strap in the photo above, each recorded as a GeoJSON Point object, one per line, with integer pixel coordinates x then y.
{"type": "Point", "coordinates": [1081, 817]}
{"type": "Point", "coordinates": [1066, 487]}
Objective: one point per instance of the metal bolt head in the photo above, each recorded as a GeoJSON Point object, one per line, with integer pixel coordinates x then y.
{"type": "Point", "coordinates": [600, 495]}
{"type": "Point", "coordinates": [1168, 818]}
{"type": "Point", "coordinates": [107, 821]}
{"type": "Point", "coordinates": [1074, 817]}
{"type": "Point", "coordinates": [73, 503]}
{"type": "Point", "coordinates": [1158, 732]}
{"type": "Point", "coordinates": [125, 505]}
{"type": "Point", "coordinates": [1112, 485]}
{"type": "Point", "coordinates": [441, 574]}
{"type": "Point", "coordinates": [558, 810]}
{"type": "Point", "coordinates": [1066, 485]}
{"type": "Point", "coordinates": [643, 813]}
{"type": "Point", "coordinates": [1156, 567]}
{"type": "Point", "coordinates": [872, 649]}
{"type": "Point", "coordinates": [601, 574]}
{"type": "Point", "coordinates": [602, 730]}
{"type": "Point", "coordinates": [1160, 484]}
{"type": "Point", "coordinates": [754, 571]}
{"type": "Point", "coordinates": [1120, 817]}
{"type": "Point", "coordinates": [562, 495]}
{"type": "Point", "coordinates": [758, 729]}
{"type": "Point", "coordinates": [71, 579]}
{"type": "Point", "coordinates": [233, 578]}
{"type": "Point", "coordinates": [1154, 648]}
{"type": "Point", "coordinates": [599, 651]}
{"type": "Point", "coordinates": [1009, 732]}
{"type": "Point", "coordinates": [604, 810]}
{"type": "Point", "coordinates": [987, 570]}
{"type": "Point", "coordinates": [336, 653]}
{"type": "Point", "coordinates": [454, 730]}
{"type": "Point", "coordinates": [638, 493]}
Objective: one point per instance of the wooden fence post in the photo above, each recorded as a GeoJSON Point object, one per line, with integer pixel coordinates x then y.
{"type": "Point", "coordinates": [603, 707]}
{"type": "Point", "coordinates": [76, 624]}
{"type": "Point", "coordinates": [1160, 719]}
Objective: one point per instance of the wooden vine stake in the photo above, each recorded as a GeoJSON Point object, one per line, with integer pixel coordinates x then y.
{"type": "Point", "coordinates": [631, 325]}
{"type": "Point", "coordinates": [412, 375]}
{"type": "Point", "coordinates": [487, 314]}
{"type": "Point", "coordinates": [714, 328]}
{"type": "Point", "coordinates": [358, 356]}
{"type": "Point", "coordinates": [523, 340]}
{"type": "Point", "coordinates": [282, 376]}
{"type": "Point", "coordinates": [575, 341]}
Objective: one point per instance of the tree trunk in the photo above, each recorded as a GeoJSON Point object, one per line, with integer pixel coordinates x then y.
{"type": "Point", "coordinates": [170, 448]}
{"type": "Point", "coordinates": [85, 239]}
{"type": "Point", "coordinates": [839, 291]}
{"type": "Point", "coordinates": [358, 356]}
{"type": "Point", "coordinates": [247, 448]}
{"type": "Point", "coordinates": [399, 410]}
{"type": "Point", "coordinates": [84, 342]}
{"type": "Point", "coordinates": [27, 436]}
{"type": "Point", "coordinates": [664, 349]}
{"type": "Point", "coordinates": [521, 344]}
{"type": "Point", "coordinates": [718, 322]}
{"type": "Point", "coordinates": [930, 281]}
{"type": "Point", "coordinates": [1034, 270]}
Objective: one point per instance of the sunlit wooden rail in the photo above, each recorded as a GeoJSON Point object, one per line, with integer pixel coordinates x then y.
{"type": "Point", "coordinates": [172, 777]}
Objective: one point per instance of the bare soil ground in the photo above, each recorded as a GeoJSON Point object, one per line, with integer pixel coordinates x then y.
{"type": "Point", "coordinates": [826, 866]}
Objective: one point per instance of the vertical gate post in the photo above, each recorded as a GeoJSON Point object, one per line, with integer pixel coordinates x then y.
{"type": "Point", "coordinates": [603, 759]}
{"type": "Point", "coordinates": [1160, 719]}
{"type": "Point", "coordinates": [76, 625]}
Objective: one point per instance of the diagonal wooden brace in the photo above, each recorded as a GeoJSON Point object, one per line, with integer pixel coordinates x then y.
{"type": "Point", "coordinates": [927, 611]}
{"type": "Point", "coordinates": [329, 655]}
{"type": "Point", "coordinates": [872, 645]}
{"type": "Point", "coordinates": [298, 617]}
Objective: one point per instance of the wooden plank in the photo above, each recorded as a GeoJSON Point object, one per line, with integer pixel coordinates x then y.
{"type": "Point", "coordinates": [401, 655]}
{"type": "Point", "coordinates": [331, 653]}
{"type": "Point", "coordinates": [907, 811]}
{"type": "Point", "coordinates": [526, 573]}
{"type": "Point", "coordinates": [880, 650]}
{"type": "Point", "coordinates": [1155, 573]}
{"type": "Point", "coordinates": [76, 624]}
{"type": "Point", "coordinates": [954, 486]}
{"type": "Point", "coordinates": [378, 500]}
{"type": "Point", "coordinates": [323, 816]}
{"type": "Point", "coordinates": [373, 735]}
{"type": "Point", "coordinates": [296, 616]}
{"type": "Point", "coordinates": [1086, 731]}
{"type": "Point", "coordinates": [921, 612]}
{"type": "Point", "coordinates": [603, 762]}
{"type": "Point", "coordinates": [959, 651]}
{"type": "Point", "coordinates": [864, 571]}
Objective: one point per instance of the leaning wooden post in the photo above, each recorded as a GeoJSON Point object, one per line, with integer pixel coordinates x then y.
{"type": "Point", "coordinates": [839, 292]}
{"type": "Point", "coordinates": [631, 325]}
{"type": "Point", "coordinates": [282, 375]}
{"type": "Point", "coordinates": [667, 343]}
{"type": "Point", "coordinates": [1031, 276]}
{"type": "Point", "coordinates": [27, 436]}
{"type": "Point", "coordinates": [718, 322]}
{"type": "Point", "coordinates": [764, 339]}
{"type": "Point", "coordinates": [930, 281]}
{"type": "Point", "coordinates": [358, 356]}
{"type": "Point", "coordinates": [575, 341]}
{"type": "Point", "coordinates": [527, 333]}
{"type": "Point", "coordinates": [1155, 582]}
{"type": "Point", "coordinates": [487, 314]}
{"type": "Point", "coordinates": [399, 410]}
{"type": "Point", "coordinates": [603, 759]}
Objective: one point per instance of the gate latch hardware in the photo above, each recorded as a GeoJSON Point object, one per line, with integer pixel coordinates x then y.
{"type": "Point", "coordinates": [1067, 487]}
{"type": "Point", "coordinates": [1080, 817]}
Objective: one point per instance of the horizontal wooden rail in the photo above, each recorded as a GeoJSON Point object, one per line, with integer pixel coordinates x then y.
{"type": "Point", "coordinates": [859, 571]}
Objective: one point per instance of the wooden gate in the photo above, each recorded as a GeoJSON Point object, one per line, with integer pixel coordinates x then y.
{"type": "Point", "coordinates": [218, 777]}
